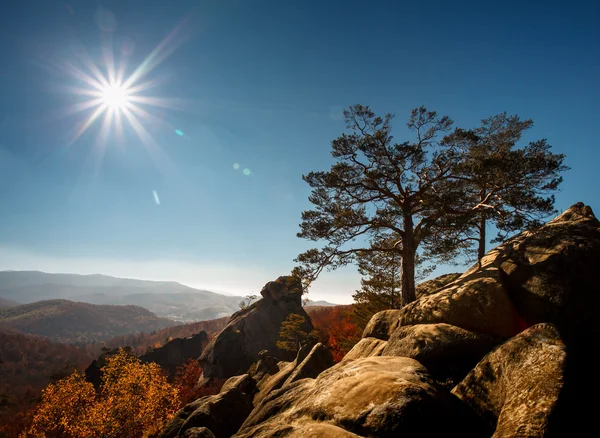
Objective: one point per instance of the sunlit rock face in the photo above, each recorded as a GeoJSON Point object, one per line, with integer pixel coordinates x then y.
{"type": "Point", "coordinates": [254, 329]}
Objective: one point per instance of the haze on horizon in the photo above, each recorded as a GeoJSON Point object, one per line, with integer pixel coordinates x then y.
{"type": "Point", "coordinates": [166, 140]}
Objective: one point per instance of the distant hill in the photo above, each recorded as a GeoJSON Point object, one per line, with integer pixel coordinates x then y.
{"type": "Point", "coordinates": [7, 303]}
{"type": "Point", "coordinates": [74, 322]}
{"type": "Point", "coordinates": [164, 298]}
{"type": "Point", "coordinates": [311, 303]}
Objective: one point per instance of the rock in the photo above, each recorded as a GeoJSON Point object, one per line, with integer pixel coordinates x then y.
{"type": "Point", "coordinates": [222, 414]}
{"type": "Point", "coordinates": [517, 386]}
{"type": "Point", "coordinates": [198, 432]}
{"type": "Point", "coordinates": [310, 429]}
{"type": "Point", "coordinates": [375, 396]}
{"type": "Point", "coordinates": [317, 361]}
{"type": "Point", "coordinates": [281, 287]}
{"type": "Point", "coordinates": [382, 324]}
{"type": "Point", "coordinates": [478, 303]}
{"type": "Point", "coordinates": [286, 369]}
{"type": "Point", "coordinates": [448, 352]}
{"type": "Point", "coordinates": [366, 347]}
{"type": "Point", "coordinates": [175, 352]}
{"type": "Point", "coordinates": [245, 383]}
{"type": "Point", "coordinates": [254, 329]}
{"type": "Point", "coordinates": [551, 275]}
{"type": "Point", "coordinates": [430, 287]}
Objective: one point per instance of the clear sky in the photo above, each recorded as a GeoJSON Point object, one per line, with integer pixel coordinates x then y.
{"type": "Point", "coordinates": [247, 97]}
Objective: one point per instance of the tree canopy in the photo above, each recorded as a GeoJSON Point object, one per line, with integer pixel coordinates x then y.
{"type": "Point", "coordinates": [427, 199]}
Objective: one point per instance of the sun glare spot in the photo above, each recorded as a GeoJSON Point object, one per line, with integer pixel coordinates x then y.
{"type": "Point", "coordinates": [156, 198]}
{"type": "Point", "coordinates": [115, 96]}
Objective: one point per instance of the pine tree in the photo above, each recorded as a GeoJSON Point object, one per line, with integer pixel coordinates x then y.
{"type": "Point", "coordinates": [500, 184]}
{"type": "Point", "coordinates": [292, 334]}
{"type": "Point", "coordinates": [377, 188]}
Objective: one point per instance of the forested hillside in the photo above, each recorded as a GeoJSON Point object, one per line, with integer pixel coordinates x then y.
{"type": "Point", "coordinates": [27, 364]}
{"type": "Point", "coordinates": [79, 323]}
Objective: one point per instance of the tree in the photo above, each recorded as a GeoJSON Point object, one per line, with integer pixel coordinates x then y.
{"type": "Point", "coordinates": [292, 334]}
{"type": "Point", "coordinates": [376, 189]}
{"type": "Point", "coordinates": [249, 299]}
{"type": "Point", "coordinates": [134, 400]}
{"type": "Point", "coordinates": [501, 185]}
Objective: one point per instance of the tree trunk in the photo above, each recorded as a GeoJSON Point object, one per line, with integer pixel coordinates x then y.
{"type": "Point", "coordinates": [407, 272]}
{"type": "Point", "coordinates": [481, 246]}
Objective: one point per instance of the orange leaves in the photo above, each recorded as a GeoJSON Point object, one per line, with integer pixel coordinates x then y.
{"type": "Point", "coordinates": [135, 400]}
{"type": "Point", "coordinates": [336, 328]}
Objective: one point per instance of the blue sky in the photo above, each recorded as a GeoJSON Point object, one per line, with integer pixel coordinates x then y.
{"type": "Point", "coordinates": [261, 84]}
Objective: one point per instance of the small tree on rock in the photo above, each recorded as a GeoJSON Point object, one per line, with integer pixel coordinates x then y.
{"type": "Point", "coordinates": [292, 334]}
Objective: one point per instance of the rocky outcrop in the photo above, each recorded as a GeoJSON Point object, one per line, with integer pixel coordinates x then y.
{"type": "Point", "coordinates": [316, 361]}
{"type": "Point", "coordinates": [382, 324]}
{"type": "Point", "coordinates": [221, 414]}
{"type": "Point", "coordinates": [434, 285]}
{"type": "Point", "coordinates": [478, 303]}
{"type": "Point", "coordinates": [520, 326]}
{"type": "Point", "coordinates": [517, 387]}
{"type": "Point", "coordinates": [376, 396]}
{"type": "Point", "coordinates": [448, 352]}
{"type": "Point", "coordinates": [309, 363]}
{"type": "Point", "coordinates": [198, 432]}
{"type": "Point", "coordinates": [174, 353]}
{"type": "Point", "coordinates": [366, 347]}
{"type": "Point", "coordinates": [254, 329]}
{"type": "Point", "coordinates": [550, 274]}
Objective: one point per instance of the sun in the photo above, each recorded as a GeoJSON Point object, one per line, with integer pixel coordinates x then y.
{"type": "Point", "coordinates": [115, 100]}
{"type": "Point", "coordinates": [115, 96]}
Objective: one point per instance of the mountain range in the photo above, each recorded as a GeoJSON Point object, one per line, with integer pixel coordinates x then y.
{"type": "Point", "coordinates": [164, 298]}
{"type": "Point", "coordinates": [167, 299]}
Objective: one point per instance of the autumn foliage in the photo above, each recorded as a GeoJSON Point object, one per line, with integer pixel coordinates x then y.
{"type": "Point", "coordinates": [336, 328]}
{"type": "Point", "coordinates": [134, 400]}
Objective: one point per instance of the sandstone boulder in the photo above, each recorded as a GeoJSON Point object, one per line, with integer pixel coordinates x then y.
{"type": "Point", "coordinates": [198, 432]}
{"type": "Point", "coordinates": [376, 396]}
{"type": "Point", "coordinates": [254, 329]}
{"type": "Point", "coordinates": [516, 387]}
{"type": "Point", "coordinates": [309, 362]}
{"type": "Point", "coordinates": [432, 286]}
{"type": "Point", "coordinates": [318, 360]}
{"type": "Point", "coordinates": [222, 414]}
{"type": "Point", "coordinates": [448, 352]}
{"type": "Point", "coordinates": [366, 347]}
{"type": "Point", "coordinates": [478, 303]}
{"type": "Point", "coordinates": [382, 324]}
{"type": "Point", "coordinates": [550, 273]}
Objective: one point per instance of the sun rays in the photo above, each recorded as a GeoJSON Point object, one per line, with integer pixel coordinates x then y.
{"type": "Point", "coordinates": [115, 101]}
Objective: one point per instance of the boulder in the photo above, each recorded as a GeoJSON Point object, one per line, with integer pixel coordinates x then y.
{"type": "Point", "coordinates": [306, 364]}
{"type": "Point", "coordinates": [175, 352]}
{"type": "Point", "coordinates": [550, 273]}
{"type": "Point", "coordinates": [375, 396]}
{"type": "Point", "coordinates": [198, 432]}
{"type": "Point", "coordinates": [516, 387]}
{"type": "Point", "coordinates": [254, 329]}
{"type": "Point", "coordinates": [448, 352]}
{"type": "Point", "coordinates": [317, 361]}
{"type": "Point", "coordinates": [245, 383]}
{"type": "Point", "coordinates": [312, 429]}
{"type": "Point", "coordinates": [478, 303]}
{"type": "Point", "coordinates": [382, 324]}
{"type": "Point", "coordinates": [366, 347]}
{"type": "Point", "coordinates": [430, 287]}
{"type": "Point", "coordinates": [222, 414]}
